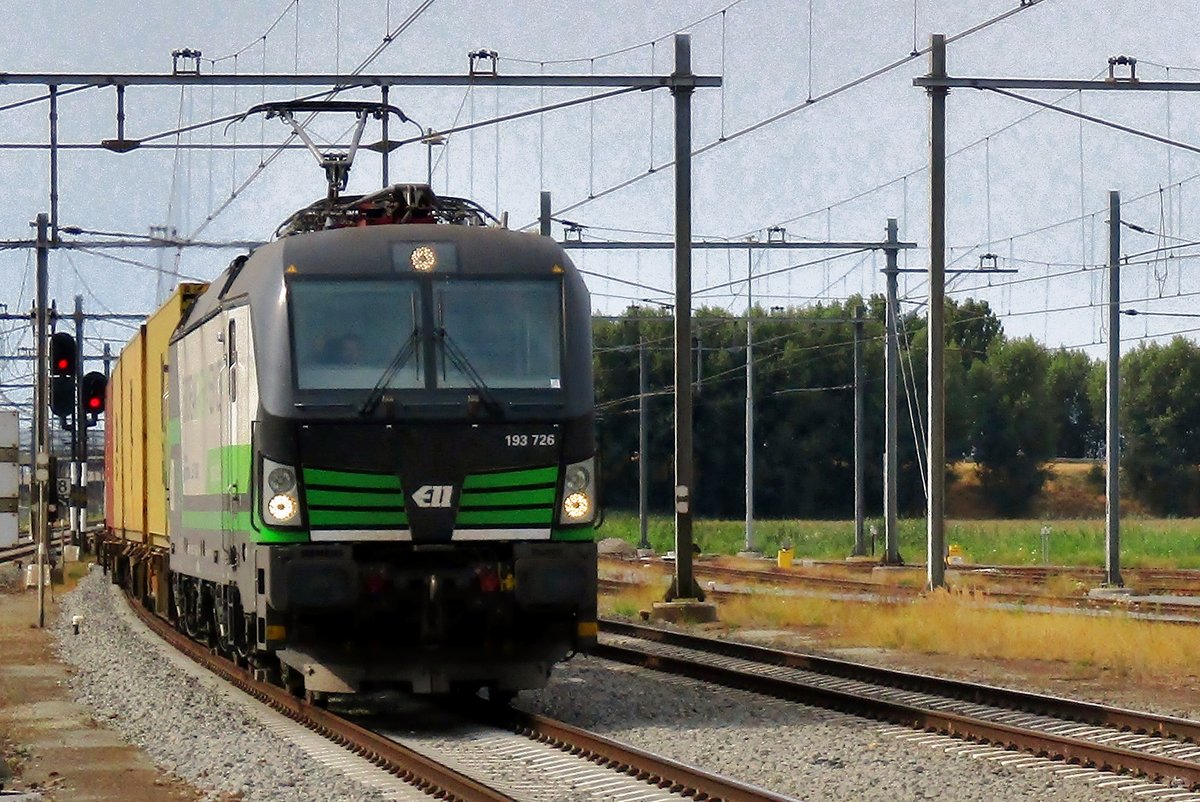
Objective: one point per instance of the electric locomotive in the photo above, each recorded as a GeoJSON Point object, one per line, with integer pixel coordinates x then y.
{"type": "Point", "coordinates": [379, 453]}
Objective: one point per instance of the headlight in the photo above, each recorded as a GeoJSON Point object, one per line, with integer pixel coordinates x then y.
{"type": "Point", "coordinates": [577, 506]}
{"type": "Point", "coordinates": [579, 478]}
{"type": "Point", "coordinates": [281, 479]}
{"type": "Point", "coordinates": [280, 501]}
{"type": "Point", "coordinates": [282, 507]}
{"type": "Point", "coordinates": [579, 493]}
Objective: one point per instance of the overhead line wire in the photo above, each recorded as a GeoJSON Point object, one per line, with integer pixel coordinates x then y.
{"type": "Point", "coordinates": [916, 171]}
{"type": "Point", "coordinates": [627, 48]}
{"type": "Point", "coordinates": [262, 36]}
{"type": "Point", "coordinates": [623, 281]}
{"type": "Point", "coordinates": [263, 164]}
{"type": "Point", "coordinates": [783, 270]}
{"type": "Point", "coordinates": [136, 263]}
{"type": "Point", "coordinates": [810, 102]}
{"type": "Point", "coordinates": [1094, 119]}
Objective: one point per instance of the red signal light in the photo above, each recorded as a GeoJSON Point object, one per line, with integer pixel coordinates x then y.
{"type": "Point", "coordinates": [92, 393]}
{"type": "Point", "coordinates": [63, 355]}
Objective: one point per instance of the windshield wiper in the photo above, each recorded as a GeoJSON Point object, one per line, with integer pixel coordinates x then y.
{"type": "Point", "coordinates": [398, 361]}
{"type": "Point", "coordinates": [465, 367]}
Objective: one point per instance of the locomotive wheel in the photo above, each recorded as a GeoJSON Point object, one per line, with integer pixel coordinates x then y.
{"type": "Point", "coordinates": [293, 680]}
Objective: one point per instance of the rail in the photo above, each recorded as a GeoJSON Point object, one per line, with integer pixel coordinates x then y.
{"type": "Point", "coordinates": [437, 780]}
{"type": "Point", "coordinates": [443, 782]}
{"type": "Point", "coordinates": [1049, 726]}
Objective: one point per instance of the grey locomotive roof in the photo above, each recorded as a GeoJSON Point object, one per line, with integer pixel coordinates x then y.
{"type": "Point", "coordinates": [367, 249]}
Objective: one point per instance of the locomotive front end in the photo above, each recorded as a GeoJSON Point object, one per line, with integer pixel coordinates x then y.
{"type": "Point", "coordinates": [424, 476]}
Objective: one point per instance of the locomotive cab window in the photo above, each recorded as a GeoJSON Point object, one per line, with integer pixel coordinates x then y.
{"type": "Point", "coordinates": [346, 334]}
{"type": "Point", "coordinates": [508, 331]}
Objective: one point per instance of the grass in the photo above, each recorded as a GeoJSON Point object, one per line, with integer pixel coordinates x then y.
{"type": "Point", "coordinates": [955, 624]}
{"type": "Point", "coordinates": [944, 623]}
{"type": "Point", "coordinates": [1145, 543]}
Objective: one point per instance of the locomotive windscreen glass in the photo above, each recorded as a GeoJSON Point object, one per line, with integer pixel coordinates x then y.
{"type": "Point", "coordinates": [346, 333]}
{"type": "Point", "coordinates": [508, 331]}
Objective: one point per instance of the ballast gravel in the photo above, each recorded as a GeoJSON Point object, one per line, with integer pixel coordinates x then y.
{"type": "Point", "coordinates": [192, 730]}
{"type": "Point", "coordinates": [185, 725]}
{"type": "Point", "coordinates": [800, 751]}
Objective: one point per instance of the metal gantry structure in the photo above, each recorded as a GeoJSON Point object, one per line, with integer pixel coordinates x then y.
{"type": "Point", "coordinates": [682, 83]}
{"type": "Point", "coordinates": [938, 84]}
{"type": "Point", "coordinates": [891, 245]}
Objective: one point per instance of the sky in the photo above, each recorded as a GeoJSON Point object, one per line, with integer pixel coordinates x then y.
{"type": "Point", "coordinates": [1029, 186]}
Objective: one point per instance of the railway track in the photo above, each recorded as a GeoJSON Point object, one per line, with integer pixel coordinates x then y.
{"type": "Point", "coordinates": [1178, 612]}
{"type": "Point", "coordinates": [606, 768]}
{"type": "Point", "coordinates": [1162, 748]}
{"type": "Point", "coordinates": [24, 551]}
{"type": "Point", "coordinates": [1183, 581]}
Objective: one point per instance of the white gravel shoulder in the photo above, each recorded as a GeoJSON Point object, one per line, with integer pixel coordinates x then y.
{"type": "Point", "coordinates": [805, 752]}
{"type": "Point", "coordinates": [189, 725]}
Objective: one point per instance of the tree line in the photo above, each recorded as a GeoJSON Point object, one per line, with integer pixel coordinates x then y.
{"type": "Point", "coordinates": [1012, 406]}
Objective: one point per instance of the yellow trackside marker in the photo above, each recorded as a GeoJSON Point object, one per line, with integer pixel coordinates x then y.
{"type": "Point", "coordinates": [587, 629]}
{"type": "Point", "coordinates": [556, 269]}
{"type": "Point", "coordinates": [291, 269]}
{"type": "Point", "coordinates": [276, 632]}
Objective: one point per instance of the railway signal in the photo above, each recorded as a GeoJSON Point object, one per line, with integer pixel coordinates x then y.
{"type": "Point", "coordinates": [62, 355]}
{"type": "Point", "coordinates": [93, 389]}
{"type": "Point", "coordinates": [63, 359]}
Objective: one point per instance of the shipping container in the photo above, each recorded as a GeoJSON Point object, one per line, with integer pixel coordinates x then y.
{"type": "Point", "coordinates": [135, 488]}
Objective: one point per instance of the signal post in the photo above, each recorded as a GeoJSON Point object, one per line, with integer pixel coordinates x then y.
{"type": "Point", "coordinates": [39, 487]}
{"type": "Point", "coordinates": [76, 399]}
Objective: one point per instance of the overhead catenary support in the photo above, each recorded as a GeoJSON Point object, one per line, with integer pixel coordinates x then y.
{"type": "Point", "coordinates": [1072, 85]}
{"type": "Point", "coordinates": [892, 246]}
{"type": "Point", "coordinates": [682, 87]}
{"type": "Point", "coordinates": [40, 484]}
{"type": "Point", "coordinates": [643, 447]}
{"type": "Point", "coordinates": [773, 245]}
{"type": "Point", "coordinates": [544, 215]}
{"type": "Point", "coordinates": [860, 447]}
{"type": "Point", "coordinates": [79, 449]}
{"type": "Point", "coordinates": [54, 163]}
{"type": "Point", "coordinates": [891, 460]}
{"type": "Point", "coordinates": [748, 548]}
{"type": "Point", "coordinates": [1112, 452]}
{"type": "Point", "coordinates": [350, 81]}
{"type": "Point", "coordinates": [386, 155]}
{"type": "Point", "coordinates": [121, 113]}
{"type": "Point", "coordinates": [938, 84]}
{"type": "Point", "coordinates": [935, 550]}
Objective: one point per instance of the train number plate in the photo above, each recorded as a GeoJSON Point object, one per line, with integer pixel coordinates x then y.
{"type": "Point", "coordinates": [534, 439]}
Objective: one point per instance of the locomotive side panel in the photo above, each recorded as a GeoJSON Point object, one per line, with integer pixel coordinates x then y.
{"type": "Point", "coordinates": [202, 507]}
{"type": "Point", "coordinates": [216, 386]}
